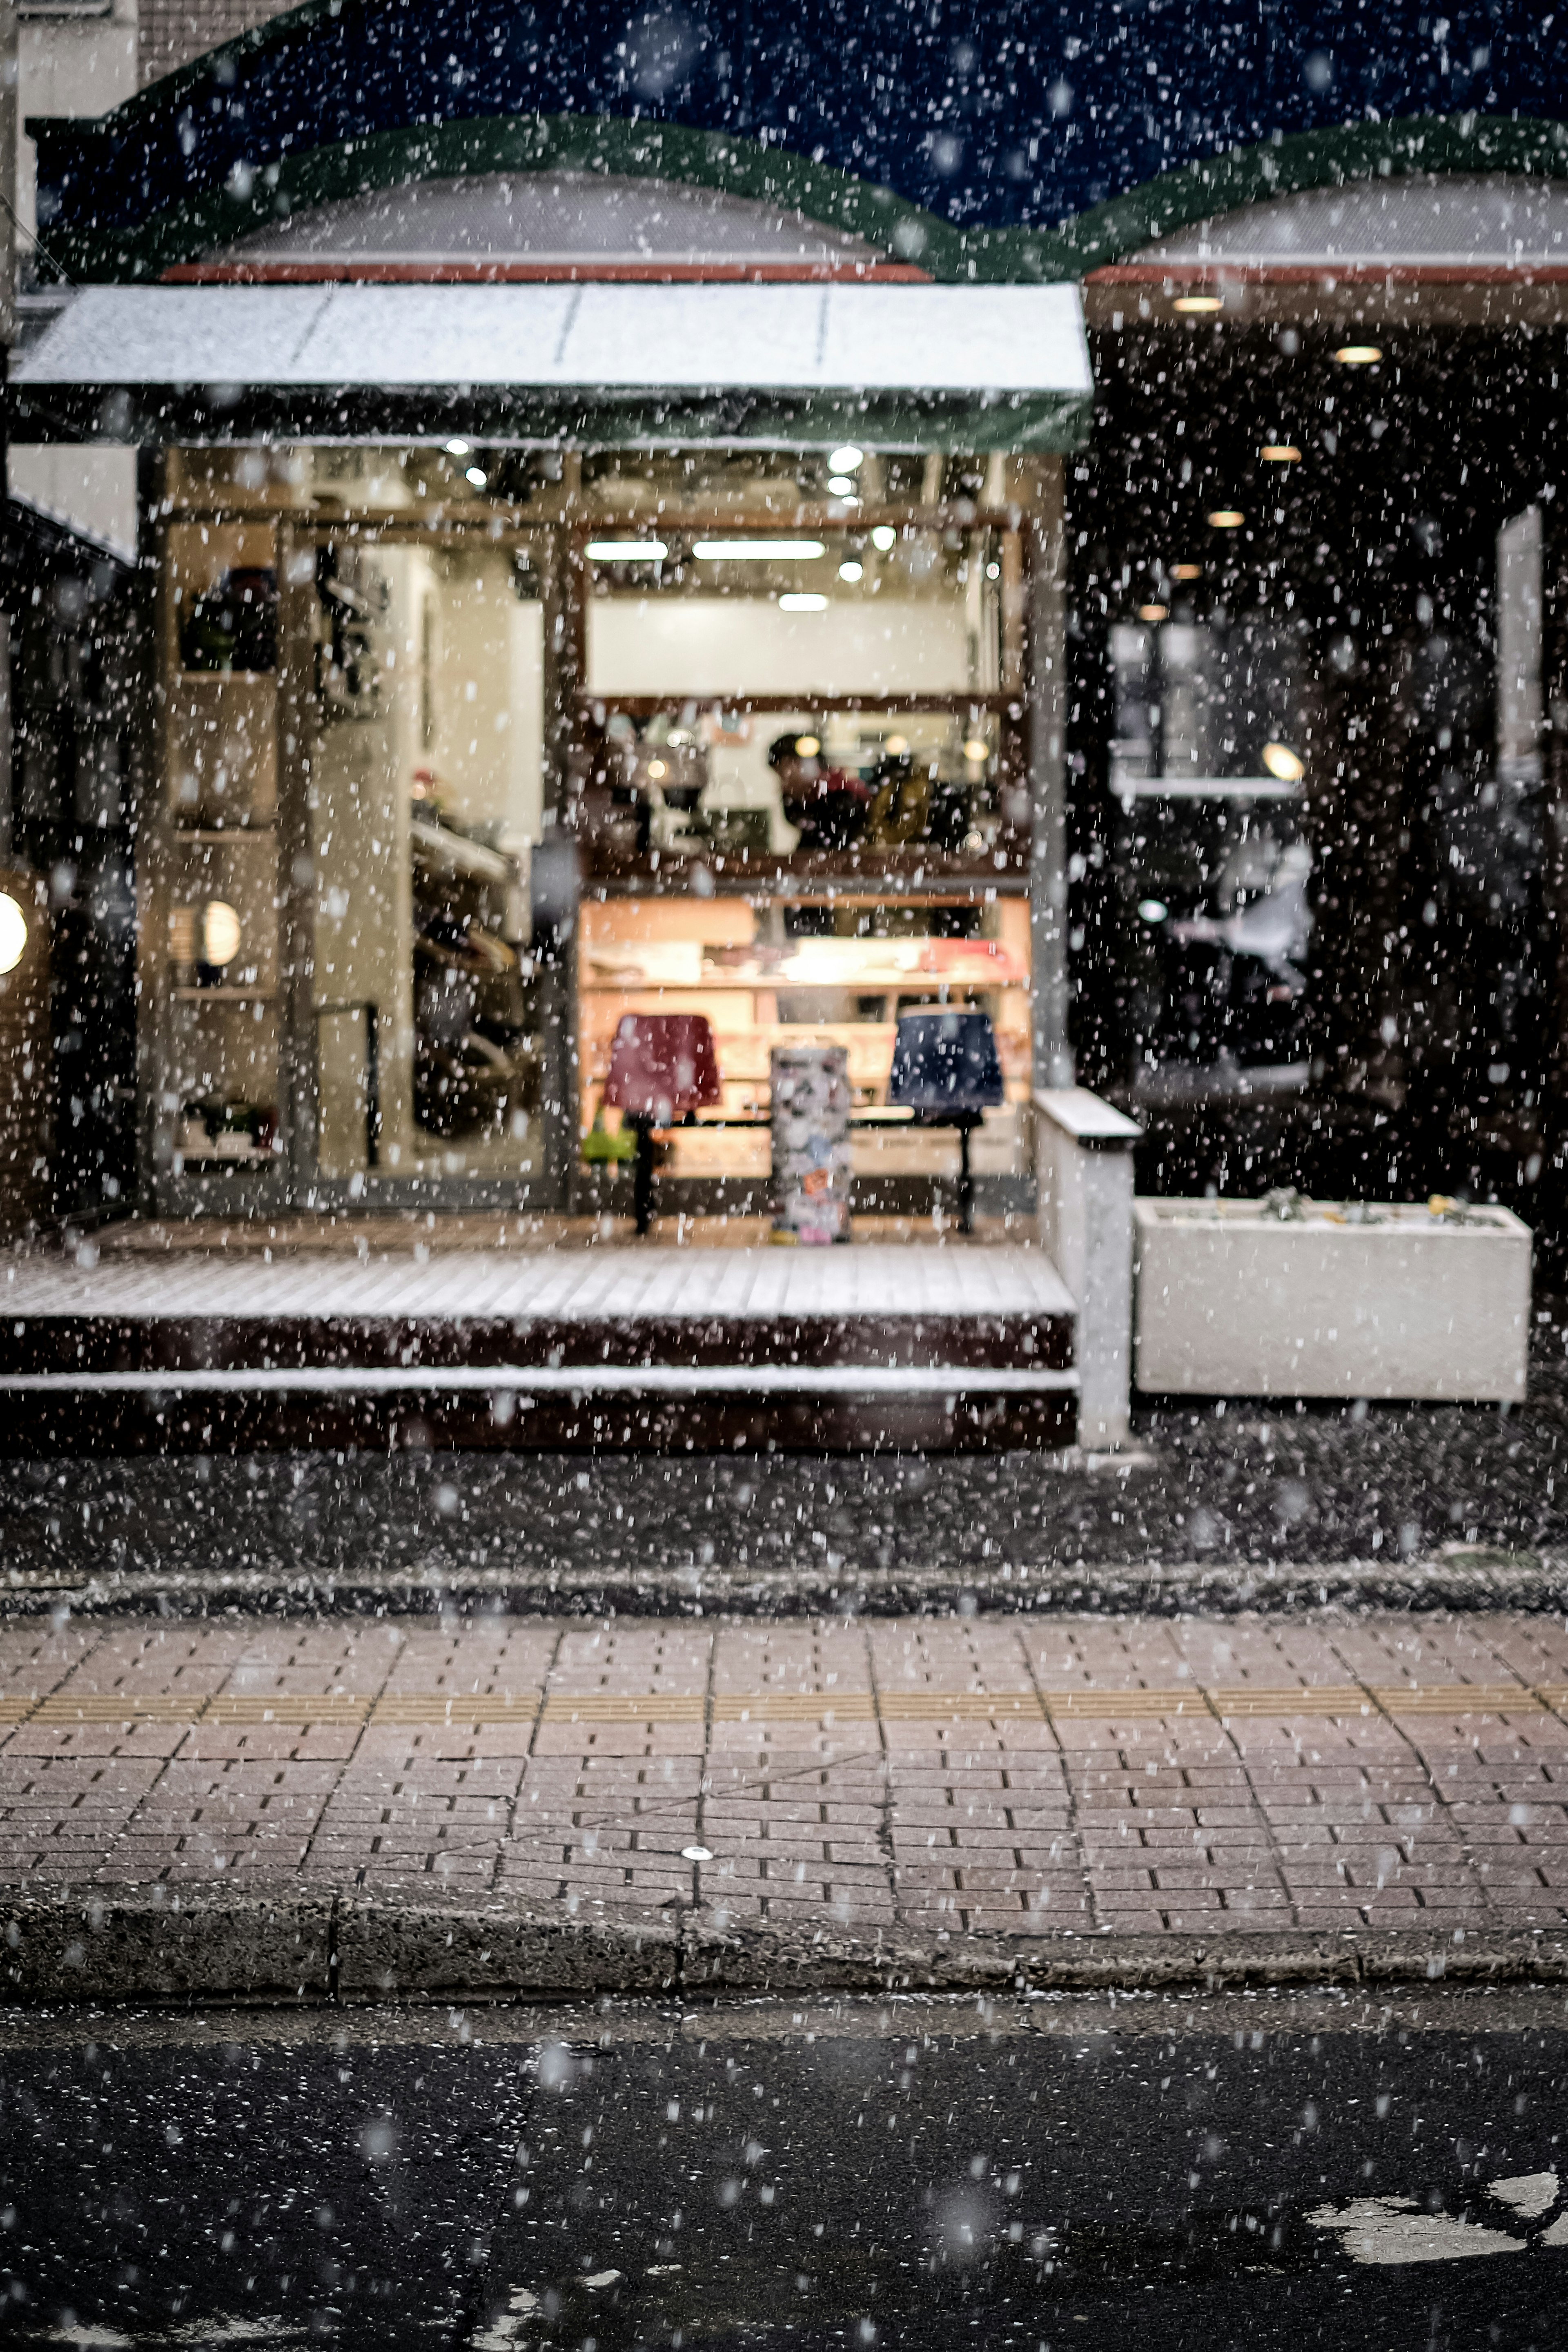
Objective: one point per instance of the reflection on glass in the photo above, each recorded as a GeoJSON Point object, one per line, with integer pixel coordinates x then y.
{"type": "Point", "coordinates": [1209, 767]}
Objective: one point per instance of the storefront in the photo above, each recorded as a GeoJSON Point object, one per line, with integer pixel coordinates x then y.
{"type": "Point", "coordinates": [630, 528]}
{"type": "Point", "coordinates": [464, 747]}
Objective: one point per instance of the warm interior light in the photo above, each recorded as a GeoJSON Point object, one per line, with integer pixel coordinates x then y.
{"type": "Point", "coordinates": [850, 570]}
{"type": "Point", "coordinates": [884, 537]}
{"type": "Point", "coordinates": [220, 933]}
{"type": "Point", "coordinates": [477, 475]}
{"type": "Point", "coordinates": [845, 460]}
{"type": "Point", "coordinates": [1186, 571]}
{"type": "Point", "coordinates": [1279, 453]}
{"type": "Point", "coordinates": [626, 551]}
{"type": "Point", "coordinates": [897, 747]}
{"type": "Point", "coordinates": [1196, 304]}
{"type": "Point", "coordinates": [1154, 612]}
{"type": "Point", "coordinates": [1282, 761]}
{"type": "Point", "coordinates": [656, 769]}
{"type": "Point", "coordinates": [1358, 354]}
{"type": "Point", "coordinates": [12, 933]}
{"type": "Point", "coordinates": [803, 601]}
{"type": "Point", "coordinates": [978, 748]}
{"type": "Point", "coordinates": [806, 747]}
{"type": "Point", "coordinates": [1226, 519]}
{"type": "Point", "coordinates": [757, 551]}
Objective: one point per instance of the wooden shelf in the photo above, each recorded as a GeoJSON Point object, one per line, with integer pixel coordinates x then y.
{"type": "Point", "coordinates": [225, 677]}
{"type": "Point", "coordinates": [225, 833]}
{"type": "Point", "coordinates": [917, 876]}
{"type": "Point", "coordinates": [223, 995]}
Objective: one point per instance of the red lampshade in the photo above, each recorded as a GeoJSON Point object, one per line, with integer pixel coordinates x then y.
{"type": "Point", "coordinates": [662, 1065]}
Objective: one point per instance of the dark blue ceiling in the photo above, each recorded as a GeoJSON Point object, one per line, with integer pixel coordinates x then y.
{"type": "Point", "coordinates": [1005, 116]}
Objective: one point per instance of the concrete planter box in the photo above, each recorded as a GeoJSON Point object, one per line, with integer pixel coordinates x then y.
{"type": "Point", "coordinates": [1235, 1300]}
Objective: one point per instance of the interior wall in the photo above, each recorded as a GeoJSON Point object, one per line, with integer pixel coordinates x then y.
{"type": "Point", "coordinates": [359, 813]}
{"type": "Point", "coordinates": [735, 645]}
{"type": "Point", "coordinates": [459, 661]}
{"type": "Point", "coordinates": [486, 696]}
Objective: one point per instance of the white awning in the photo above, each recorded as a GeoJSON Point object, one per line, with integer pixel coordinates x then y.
{"type": "Point", "coordinates": [989, 367]}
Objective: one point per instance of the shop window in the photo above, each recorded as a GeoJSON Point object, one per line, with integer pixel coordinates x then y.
{"type": "Point", "coordinates": [826, 720]}
{"type": "Point", "coordinates": [1209, 771]}
{"type": "Point", "coordinates": [219, 942]}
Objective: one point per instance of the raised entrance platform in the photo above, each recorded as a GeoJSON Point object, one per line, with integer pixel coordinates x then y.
{"type": "Point", "coordinates": [533, 1337]}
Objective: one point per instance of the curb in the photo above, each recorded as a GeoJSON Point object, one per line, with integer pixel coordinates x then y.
{"type": "Point", "coordinates": [81, 1946]}
{"type": "Point", "coordinates": [1470, 1581]}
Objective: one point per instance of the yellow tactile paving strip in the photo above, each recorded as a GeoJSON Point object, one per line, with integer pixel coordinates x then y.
{"type": "Point", "coordinates": [63, 1709]}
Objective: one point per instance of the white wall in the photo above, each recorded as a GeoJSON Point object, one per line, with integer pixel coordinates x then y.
{"type": "Point", "coordinates": [80, 67]}
{"type": "Point", "coordinates": [72, 67]}
{"type": "Point", "coordinates": [735, 645]}
{"type": "Point", "coordinates": [91, 488]}
{"type": "Point", "coordinates": [487, 695]}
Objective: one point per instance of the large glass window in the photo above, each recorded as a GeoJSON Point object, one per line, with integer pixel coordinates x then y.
{"type": "Point", "coordinates": [1208, 769]}
{"type": "Point", "coordinates": [776, 701]}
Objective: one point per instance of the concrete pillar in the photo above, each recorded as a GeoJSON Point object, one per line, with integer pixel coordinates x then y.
{"type": "Point", "coordinates": [1083, 1176]}
{"type": "Point", "coordinates": [1047, 678]}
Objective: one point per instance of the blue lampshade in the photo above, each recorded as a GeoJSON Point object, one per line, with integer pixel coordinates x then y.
{"type": "Point", "coordinates": [945, 1064]}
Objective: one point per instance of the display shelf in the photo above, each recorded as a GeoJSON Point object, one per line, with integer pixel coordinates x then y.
{"type": "Point", "coordinates": [225, 833]}
{"type": "Point", "coordinates": [254, 1158]}
{"type": "Point", "coordinates": [919, 875]}
{"type": "Point", "coordinates": [223, 995]}
{"type": "Point", "coordinates": [250, 678]}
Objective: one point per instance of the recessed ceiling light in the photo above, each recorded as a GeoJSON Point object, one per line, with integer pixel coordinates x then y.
{"type": "Point", "coordinates": [1186, 571]}
{"type": "Point", "coordinates": [757, 551]}
{"type": "Point", "coordinates": [1154, 612]}
{"type": "Point", "coordinates": [850, 570]}
{"type": "Point", "coordinates": [845, 460]}
{"type": "Point", "coordinates": [806, 747]}
{"type": "Point", "coordinates": [841, 485]}
{"type": "Point", "coordinates": [1225, 518]}
{"type": "Point", "coordinates": [977, 748]}
{"type": "Point", "coordinates": [883, 537]}
{"type": "Point", "coordinates": [477, 475]}
{"type": "Point", "coordinates": [1282, 761]}
{"type": "Point", "coordinates": [625, 551]}
{"type": "Point", "coordinates": [1153, 911]}
{"type": "Point", "coordinates": [1359, 355]}
{"type": "Point", "coordinates": [803, 601]}
{"type": "Point", "coordinates": [459, 448]}
{"type": "Point", "coordinates": [897, 747]}
{"type": "Point", "coordinates": [1197, 305]}
{"type": "Point", "coordinates": [1279, 453]}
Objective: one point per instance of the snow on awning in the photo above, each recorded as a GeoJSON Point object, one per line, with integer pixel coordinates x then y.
{"type": "Point", "coordinates": [977, 367]}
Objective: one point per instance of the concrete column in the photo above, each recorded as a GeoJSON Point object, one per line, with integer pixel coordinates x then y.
{"type": "Point", "coordinates": [1083, 1176]}
{"type": "Point", "coordinates": [1047, 663]}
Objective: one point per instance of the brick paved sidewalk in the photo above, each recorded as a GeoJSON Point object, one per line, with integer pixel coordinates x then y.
{"type": "Point", "coordinates": [918, 1777]}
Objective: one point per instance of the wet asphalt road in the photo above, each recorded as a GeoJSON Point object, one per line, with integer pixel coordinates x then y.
{"type": "Point", "coordinates": [1265, 2171]}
